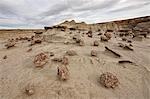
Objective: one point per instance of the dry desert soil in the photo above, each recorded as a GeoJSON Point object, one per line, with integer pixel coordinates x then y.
{"type": "Point", "coordinates": [77, 61]}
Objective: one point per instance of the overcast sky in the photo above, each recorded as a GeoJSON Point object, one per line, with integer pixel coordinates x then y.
{"type": "Point", "coordinates": [40, 13]}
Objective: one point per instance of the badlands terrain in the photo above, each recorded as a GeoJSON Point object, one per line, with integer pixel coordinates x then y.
{"type": "Point", "coordinates": [73, 60]}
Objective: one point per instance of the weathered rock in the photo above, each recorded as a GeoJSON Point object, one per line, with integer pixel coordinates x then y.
{"type": "Point", "coordinates": [71, 53]}
{"type": "Point", "coordinates": [37, 41]}
{"type": "Point", "coordinates": [108, 35]}
{"type": "Point", "coordinates": [57, 59]}
{"type": "Point", "coordinates": [131, 45]}
{"type": "Point", "coordinates": [96, 43]}
{"type": "Point", "coordinates": [129, 41]}
{"type": "Point", "coordinates": [124, 39]}
{"type": "Point", "coordinates": [40, 60]}
{"type": "Point", "coordinates": [63, 72]}
{"type": "Point", "coordinates": [121, 45]}
{"type": "Point", "coordinates": [77, 38]}
{"type": "Point", "coordinates": [94, 53]}
{"type": "Point", "coordinates": [128, 47]}
{"type": "Point", "coordinates": [125, 46]}
{"type": "Point", "coordinates": [104, 38]}
{"type": "Point", "coordinates": [108, 80]}
{"type": "Point", "coordinates": [81, 43]}
{"type": "Point", "coordinates": [66, 42]}
{"type": "Point", "coordinates": [65, 60]}
{"type": "Point", "coordinates": [89, 34]}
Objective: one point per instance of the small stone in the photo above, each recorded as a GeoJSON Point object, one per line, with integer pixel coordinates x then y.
{"type": "Point", "coordinates": [121, 45]}
{"type": "Point", "coordinates": [29, 90]}
{"type": "Point", "coordinates": [65, 60]}
{"type": "Point", "coordinates": [94, 53]}
{"type": "Point", "coordinates": [131, 45]}
{"type": "Point", "coordinates": [90, 35]}
{"type": "Point", "coordinates": [77, 38]}
{"type": "Point", "coordinates": [51, 54]}
{"type": "Point", "coordinates": [124, 39]}
{"type": "Point", "coordinates": [57, 59]}
{"type": "Point", "coordinates": [108, 35]}
{"type": "Point", "coordinates": [104, 38]}
{"type": "Point", "coordinates": [129, 41]}
{"type": "Point", "coordinates": [108, 80]}
{"type": "Point", "coordinates": [96, 43]}
{"type": "Point", "coordinates": [5, 57]}
{"type": "Point", "coordinates": [63, 73]}
{"type": "Point", "coordinates": [81, 43]}
{"type": "Point", "coordinates": [71, 53]}
{"type": "Point", "coordinates": [38, 41]}
{"type": "Point", "coordinates": [66, 42]}
{"type": "Point", "coordinates": [29, 50]}
{"type": "Point", "coordinates": [99, 34]}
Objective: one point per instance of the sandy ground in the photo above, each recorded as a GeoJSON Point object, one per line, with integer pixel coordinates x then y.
{"type": "Point", "coordinates": [18, 70]}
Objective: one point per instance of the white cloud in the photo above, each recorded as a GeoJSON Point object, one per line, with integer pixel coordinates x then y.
{"type": "Point", "coordinates": [38, 13]}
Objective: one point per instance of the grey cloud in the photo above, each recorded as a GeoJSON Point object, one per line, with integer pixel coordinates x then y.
{"type": "Point", "coordinates": [7, 10]}
{"type": "Point", "coordinates": [39, 13]}
{"type": "Point", "coordinates": [55, 9]}
{"type": "Point", "coordinates": [131, 7]}
{"type": "Point", "coordinates": [101, 5]}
